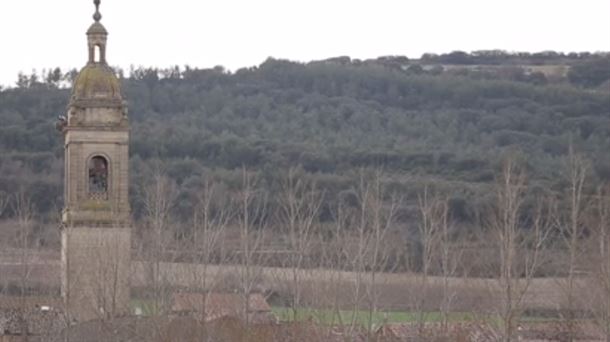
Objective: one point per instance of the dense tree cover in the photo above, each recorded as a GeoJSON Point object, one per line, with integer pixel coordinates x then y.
{"type": "Point", "coordinates": [333, 117]}
{"type": "Point", "coordinates": [498, 57]}
{"type": "Point", "coordinates": [591, 73]}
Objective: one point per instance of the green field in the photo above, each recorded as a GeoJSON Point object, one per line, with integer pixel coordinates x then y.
{"type": "Point", "coordinates": [344, 317]}
{"type": "Point", "coordinates": [331, 317]}
{"type": "Point", "coordinates": [146, 306]}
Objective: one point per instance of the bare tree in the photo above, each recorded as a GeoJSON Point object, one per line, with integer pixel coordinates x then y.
{"type": "Point", "coordinates": [4, 199]}
{"type": "Point", "coordinates": [211, 217]}
{"type": "Point", "coordinates": [510, 191]}
{"type": "Point", "coordinates": [520, 250]}
{"type": "Point", "coordinates": [600, 291]}
{"type": "Point", "coordinates": [379, 209]}
{"type": "Point", "coordinates": [24, 211]}
{"type": "Point", "coordinates": [300, 203]}
{"type": "Point", "coordinates": [436, 236]}
{"type": "Point", "coordinates": [429, 233]}
{"type": "Point", "coordinates": [159, 197]}
{"type": "Point", "coordinates": [449, 259]}
{"type": "Point", "coordinates": [333, 244]}
{"type": "Point", "coordinates": [572, 228]}
{"type": "Point", "coordinates": [357, 249]}
{"type": "Point", "coordinates": [251, 219]}
{"type": "Point", "coordinates": [366, 253]}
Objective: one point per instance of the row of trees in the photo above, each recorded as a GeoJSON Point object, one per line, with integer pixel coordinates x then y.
{"type": "Point", "coordinates": [56, 78]}
{"type": "Point", "coordinates": [343, 265]}
{"type": "Point", "coordinates": [552, 245]}
{"type": "Point", "coordinates": [506, 57]}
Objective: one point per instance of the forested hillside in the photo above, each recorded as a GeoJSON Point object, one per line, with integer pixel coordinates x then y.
{"type": "Point", "coordinates": [420, 121]}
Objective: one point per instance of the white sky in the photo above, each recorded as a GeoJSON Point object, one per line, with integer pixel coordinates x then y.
{"type": "Point", "coordinates": [236, 33]}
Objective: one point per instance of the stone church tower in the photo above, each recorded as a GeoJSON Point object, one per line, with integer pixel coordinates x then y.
{"type": "Point", "coordinates": [96, 229]}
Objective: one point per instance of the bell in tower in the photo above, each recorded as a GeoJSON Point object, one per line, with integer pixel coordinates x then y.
{"type": "Point", "coordinates": [96, 219]}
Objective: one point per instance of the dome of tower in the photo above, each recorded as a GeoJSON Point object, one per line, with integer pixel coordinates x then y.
{"type": "Point", "coordinates": [97, 28]}
{"type": "Point", "coordinates": [97, 81]}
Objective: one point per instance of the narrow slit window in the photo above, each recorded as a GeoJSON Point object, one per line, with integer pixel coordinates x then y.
{"type": "Point", "coordinates": [98, 178]}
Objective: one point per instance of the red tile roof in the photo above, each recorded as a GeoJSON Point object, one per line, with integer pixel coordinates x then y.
{"type": "Point", "coordinates": [468, 331]}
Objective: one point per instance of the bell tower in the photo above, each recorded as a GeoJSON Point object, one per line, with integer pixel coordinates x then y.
{"type": "Point", "coordinates": [96, 219]}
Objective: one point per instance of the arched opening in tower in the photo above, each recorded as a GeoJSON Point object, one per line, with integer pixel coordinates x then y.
{"type": "Point", "coordinates": [97, 53]}
{"type": "Point", "coordinates": [98, 178]}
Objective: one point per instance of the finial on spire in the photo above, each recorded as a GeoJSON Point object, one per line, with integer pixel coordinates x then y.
{"type": "Point", "coordinates": [97, 16]}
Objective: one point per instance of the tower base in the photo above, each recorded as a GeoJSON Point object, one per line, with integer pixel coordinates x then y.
{"type": "Point", "coordinates": [95, 265]}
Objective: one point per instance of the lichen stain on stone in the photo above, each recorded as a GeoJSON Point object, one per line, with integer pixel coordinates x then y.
{"type": "Point", "coordinates": [97, 81]}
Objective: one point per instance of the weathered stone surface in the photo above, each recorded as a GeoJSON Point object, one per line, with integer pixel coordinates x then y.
{"type": "Point", "coordinates": [95, 268]}
{"type": "Point", "coordinates": [96, 232]}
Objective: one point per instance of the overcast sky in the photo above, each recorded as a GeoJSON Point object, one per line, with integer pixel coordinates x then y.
{"type": "Point", "coordinates": [236, 33]}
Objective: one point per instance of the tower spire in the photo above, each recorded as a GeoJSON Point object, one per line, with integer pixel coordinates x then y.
{"type": "Point", "coordinates": [97, 16]}
{"type": "Point", "coordinates": [97, 35]}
